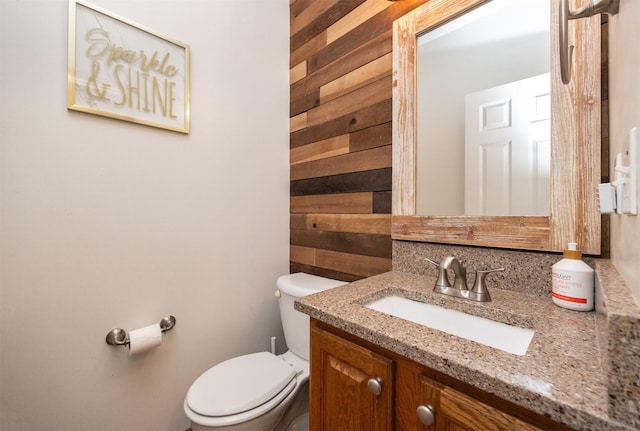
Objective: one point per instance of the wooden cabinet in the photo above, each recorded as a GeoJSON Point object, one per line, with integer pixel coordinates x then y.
{"type": "Point", "coordinates": [351, 388]}
{"type": "Point", "coordinates": [347, 372]}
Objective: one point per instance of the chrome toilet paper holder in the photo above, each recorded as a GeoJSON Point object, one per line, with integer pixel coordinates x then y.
{"type": "Point", "coordinates": [120, 337]}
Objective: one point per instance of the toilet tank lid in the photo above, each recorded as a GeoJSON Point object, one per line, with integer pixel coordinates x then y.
{"type": "Point", "coordinates": [239, 384]}
{"type": "Point", "coordinates": [301, 284]}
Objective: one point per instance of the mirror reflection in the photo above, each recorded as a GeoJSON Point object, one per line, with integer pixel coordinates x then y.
{"type": "Point", "coordinates": [483, 108]}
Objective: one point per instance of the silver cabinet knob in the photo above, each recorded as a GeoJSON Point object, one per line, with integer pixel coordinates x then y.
{"type": "Point", "coordinates": [375, 386]}
{"type": "Point", "coordinates": [426, 414]}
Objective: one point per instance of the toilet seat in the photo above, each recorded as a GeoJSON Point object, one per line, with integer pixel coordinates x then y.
{"type": "Point", "coordinates": [241, 388]}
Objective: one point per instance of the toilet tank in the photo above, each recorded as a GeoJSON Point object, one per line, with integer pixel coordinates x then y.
{"type": "Point", "coordinates": [294, 323]}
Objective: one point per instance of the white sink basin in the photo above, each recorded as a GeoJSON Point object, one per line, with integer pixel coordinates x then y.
{"type": "Point", "coordinates": [511, 339]}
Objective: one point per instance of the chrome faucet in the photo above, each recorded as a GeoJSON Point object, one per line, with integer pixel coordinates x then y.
{"type": "Point", "coordinates": [478, 292]}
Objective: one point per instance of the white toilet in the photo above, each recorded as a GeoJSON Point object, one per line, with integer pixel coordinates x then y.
{"type": "Point", "coordinates": [262, 391]}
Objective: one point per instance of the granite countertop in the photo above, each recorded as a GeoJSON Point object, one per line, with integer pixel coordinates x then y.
{"type": "Point", "coordinates": [563, 374]}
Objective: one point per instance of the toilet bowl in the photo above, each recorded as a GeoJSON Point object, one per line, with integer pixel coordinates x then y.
{"type": "Point", "coordinates": [261, 391]}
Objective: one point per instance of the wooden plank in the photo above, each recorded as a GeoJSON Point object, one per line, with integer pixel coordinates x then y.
{"type": "Point", "coordinates": [307, 50]}
{"type": "Point", "coordinates": [576, 168]}
{"type": "Point", "coordinates": [403, 135]}
{"type": "Point", "coordinates": [297, 72]}
{"type": "Point", "coordinates": [373, 49]}
{"type": "Point", "coordinates": [372, 28]}
{"type": "Point", "coordinates": [528, 233]}
{"type": "Point", "coordinates": [382, 202]}
{"type": "Point", "coordinates": [376, 158]}
{"type": "Point", "coordinates": [365, 266]}
{"type": "Point", "coordinates": [352, 122]}
{"type": "Point", "coordinates": [343, 266]}
{"type": "Point", "coordinates": [365, 181]}
{"type": "Point", "coordinates": [302, 104]}
{"type": "Point", "coordinates": [371, 137]}
{"type": "Point", "coordinates": [322, 21]}
{"type": "Point", "coordinates": [354, 203]}
{"type": "Point", "coordinates": [347, 242]}
{"type": "Point", "coordinates": [323, 272]}
{"type": "Point", "coordinates": [304, 255]}
{"type": "Point", "coordinates": [368, 95]}
{"type": "Point", "coordinates": [375, 224]}
{"type": "Point", "coordinates": [296, 7]}
{"type": "Point", "coordinates": [310, 98]}
{"type": "Point", "coordinates": [356, 17]}
{"type": "Point", "coordinates": [357, 78]}
{"type": "Point", "coordinates": [320, 150]}
{"type": "Point", "coordinates": [299, 221]}
{"type": "Point", "coordinates": [298, 122]}
{"type": "Point", "coordinates": [300, 18]}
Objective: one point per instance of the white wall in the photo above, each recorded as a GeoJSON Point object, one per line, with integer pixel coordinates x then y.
{"type": "Point", "coordinates": [624, 113]}
{"type": "Point", "coordinates": [110, 224]}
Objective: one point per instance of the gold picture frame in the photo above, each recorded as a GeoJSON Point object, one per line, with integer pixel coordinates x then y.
{"type": "Point", "coordinates": [119, 69]}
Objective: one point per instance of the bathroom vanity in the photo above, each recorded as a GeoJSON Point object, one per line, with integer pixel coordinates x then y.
{"type": "Point", "coordinates": [371, 370]}
{"type": "Point", "coordinates": [403, 395]}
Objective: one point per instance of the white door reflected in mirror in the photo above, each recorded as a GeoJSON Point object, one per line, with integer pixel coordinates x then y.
{"type": "Point", "coordinates": [495, 46]}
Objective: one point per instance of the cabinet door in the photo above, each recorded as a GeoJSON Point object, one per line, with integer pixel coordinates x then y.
{"type": "Point", "coordinates": [344, 377]}
{"type": "Point", "coordinates": [455, 411]}
{"type": "Point", "coordinates": [413, 390]}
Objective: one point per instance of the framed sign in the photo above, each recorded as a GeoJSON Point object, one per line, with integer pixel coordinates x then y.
{"type": "Point", "coordinates": [119, 69]}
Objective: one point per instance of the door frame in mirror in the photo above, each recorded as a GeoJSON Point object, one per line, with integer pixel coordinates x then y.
{"type": "Point", "coordinates": [575, 146]}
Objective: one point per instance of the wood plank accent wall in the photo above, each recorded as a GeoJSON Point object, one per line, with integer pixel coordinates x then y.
{"type": "Point", "coordinates": [340, 135]}
{"type": "Point", "coordinates": [340, 141]}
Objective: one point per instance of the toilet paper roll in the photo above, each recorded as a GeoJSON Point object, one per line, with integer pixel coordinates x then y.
{"type": "Point", "coordinates": [143, 339]}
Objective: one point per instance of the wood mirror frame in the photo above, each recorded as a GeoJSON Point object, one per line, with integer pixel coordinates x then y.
{"type": "Point", "coordinates": [575, 146]}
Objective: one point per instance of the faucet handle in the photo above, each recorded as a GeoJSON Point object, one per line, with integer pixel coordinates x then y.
{"type": "Point", "coordinates": [443, 280]}
{"type": "Point", "coordinates": [479, 285]}
{"type": "Point", "coordinates": [436, 264]}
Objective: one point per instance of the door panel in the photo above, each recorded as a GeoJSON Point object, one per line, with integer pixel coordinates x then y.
{"type": "Point", "coordinates": [507, 149]}
{"type": "Point", "coordinates": [340, 399]}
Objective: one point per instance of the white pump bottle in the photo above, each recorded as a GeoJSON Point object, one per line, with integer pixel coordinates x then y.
{"type": "Point", "coordinates": [572, 281]}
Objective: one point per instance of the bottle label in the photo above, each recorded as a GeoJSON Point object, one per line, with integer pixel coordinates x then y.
{"type": "Point", "coordinates": [573, 288]}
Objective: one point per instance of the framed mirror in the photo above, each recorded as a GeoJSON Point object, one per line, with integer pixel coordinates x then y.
{"type": "Point", "coordinates": [568, 210]}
